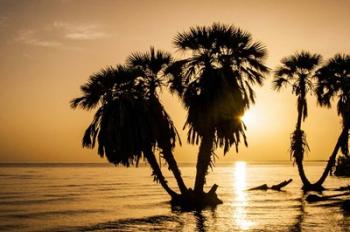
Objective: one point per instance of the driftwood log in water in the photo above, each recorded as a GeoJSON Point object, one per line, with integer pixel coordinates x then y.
{"type": "Point", "coordinates": [343, 188]}
{"type": "Point", "coordinates": [315, 198]}
{"type": "Point", "coordinates": [276, 187]}
{"type": "Point", "coordinates": [345, 204]}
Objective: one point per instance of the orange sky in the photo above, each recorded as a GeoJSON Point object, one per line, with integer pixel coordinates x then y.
{"type": "Point", "coordinates": [49, 48]}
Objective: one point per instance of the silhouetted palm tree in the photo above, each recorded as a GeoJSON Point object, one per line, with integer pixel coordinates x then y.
{"type": "Point", "coordinates": [215, 84]}
{"type": "Point", "coordinates": [333, 81]}
{"type": "Point", "coordinates": [126, 124]}
{"type": "Point", "coordinates": [297, 70]}
{"type": "Point", "coordinates": [152, 64]}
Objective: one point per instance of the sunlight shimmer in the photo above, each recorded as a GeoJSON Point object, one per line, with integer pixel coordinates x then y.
{"type": "Point", "coordinates": [240, 215]}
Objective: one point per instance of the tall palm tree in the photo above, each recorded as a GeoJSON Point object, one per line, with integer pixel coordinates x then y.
{"type": "Point", "coordinates": [125, 125]}
{"type": "Point", "coordinates": [333, 81]}
{"type": "Point", "coordinates": [152, 64]}
{"type": "Point", "coordinates": [215, 84]}
{"type": "Point", "coordinates": [297, 71]}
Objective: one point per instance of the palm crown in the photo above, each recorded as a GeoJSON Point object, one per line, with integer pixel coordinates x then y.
{"type": "Point", "coordinates": [151, 65]}
{"type": "Point", "coordinates": [333, 80]}
{"type": "Point", "coordinates": [297, 70]}
{"type": "Point", "coordinates": [126, 122]}
{"type": "Point", "coordinates": [215, 81]}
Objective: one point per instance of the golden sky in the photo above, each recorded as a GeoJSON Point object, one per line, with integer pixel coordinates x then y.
{"type": "Point", "coordinates": [49, 48]}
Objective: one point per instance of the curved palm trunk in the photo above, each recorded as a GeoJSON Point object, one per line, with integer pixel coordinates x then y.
{"type": "Point", "coordinates": [299, 161]}
{"type": "Point", "coordinates": [167, 151]}
{"type": "Point", "coordinates": [158, 173]}
{"type": "Point", "coordinates": [332, 158]}
{"type": "Point", "coordinates": [302, 175]}
{"type": "Point", "coordinates": [203, 161]}
{"type": "Point", "coordinates": [169, 157]}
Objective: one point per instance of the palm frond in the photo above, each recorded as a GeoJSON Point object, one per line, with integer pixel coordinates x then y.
{"type": "Point", "coordinates": [333, 80]}
{"type": "Point", "coordinates": [152, 66]}
{"type": "Point", "coordinates": [279, 82]}
{"type": "Point", "coordinates": [298, 145]}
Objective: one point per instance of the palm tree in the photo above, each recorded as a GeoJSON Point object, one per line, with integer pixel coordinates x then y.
{"type": "Point", "coordinates": [215, 84]}
{"type": "Point", "coordinates": [125, 125]}
{"type": "Point", "coordinates": [333, 81]}
{"type": "Point", "coordinates": [152, 64]}
{"type": "Point", "coordinates": [297, 71]}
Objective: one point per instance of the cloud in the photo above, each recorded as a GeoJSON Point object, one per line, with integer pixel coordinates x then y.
{"type": "Point", "coordinates": [30, 37]}
{"type": "Point", "coordinates": [60, 34]}
{"type": "Point", "coordinates": [76, 31]}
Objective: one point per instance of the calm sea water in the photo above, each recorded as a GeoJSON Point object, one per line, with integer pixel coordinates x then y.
{"type": "Point", "coordinates": [66, 197]}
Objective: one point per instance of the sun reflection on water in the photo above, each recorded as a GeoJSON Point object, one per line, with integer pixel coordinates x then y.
{"type": "Point", "coordinates": [240, 215]}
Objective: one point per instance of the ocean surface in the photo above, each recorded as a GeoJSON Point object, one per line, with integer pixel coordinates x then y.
{"type": "Point", "coordinates": [101, 197]}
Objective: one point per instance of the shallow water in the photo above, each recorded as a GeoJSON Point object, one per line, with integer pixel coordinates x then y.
{"type": "Point", "coordinates": [100, 197]}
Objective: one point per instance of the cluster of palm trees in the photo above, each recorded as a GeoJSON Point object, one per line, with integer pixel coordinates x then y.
{"type": "Point", "coordinates": [130, 121]}
{"type": "Point", "coordinates": [303, 73]}
{"type": "Point", "coordinates": [215, 82]}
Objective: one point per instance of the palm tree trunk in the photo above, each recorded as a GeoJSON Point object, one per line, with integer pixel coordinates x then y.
{"type": "Point", "coordinates": [158, 173]}
{"type": "Point", "coordinates": [302, 175]}
{"type": "Point", "coordinates": [332, 158]}
{"type": "Point", "coordinates": [299, 161]}
{"type": "Point", "coordinates": [169, 157]}
{"type": "Point", "coordinates": [167, 149]}
{"type": "Point", "coordinates": [300, 114]}
{"type": "Point", "coordinates": [203, 161]}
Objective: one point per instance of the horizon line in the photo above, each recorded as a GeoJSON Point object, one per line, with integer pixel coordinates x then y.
{"type": "Point", "coordinates": [193, 162]}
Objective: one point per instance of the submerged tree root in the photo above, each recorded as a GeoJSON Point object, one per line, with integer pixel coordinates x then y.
{"type": "Point", "coordinates": [343, 188]}
{"type": "Point", "coordinates": [276, 187]}
{"type": "Point", "coordinates": [345, 204]}
{"type": "Point", "coordinates": [320, 188]}
{"type": "Point", "coordinates": [315, 198]}
{"type": "Point", "coordinates": [313, 187]}
{"type": "Point", "coordinates": [196, 201]}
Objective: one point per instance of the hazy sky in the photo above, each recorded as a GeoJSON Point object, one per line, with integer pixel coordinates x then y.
{"type": "Point", "coordinates": [49, 48]}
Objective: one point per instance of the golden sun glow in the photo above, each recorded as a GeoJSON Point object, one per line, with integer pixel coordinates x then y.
{"type": "Point", "coordinates": [248, 117]}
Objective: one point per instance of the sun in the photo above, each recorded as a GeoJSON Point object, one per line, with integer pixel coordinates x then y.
{"type": "Point", "coordinates": [248, 117]}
